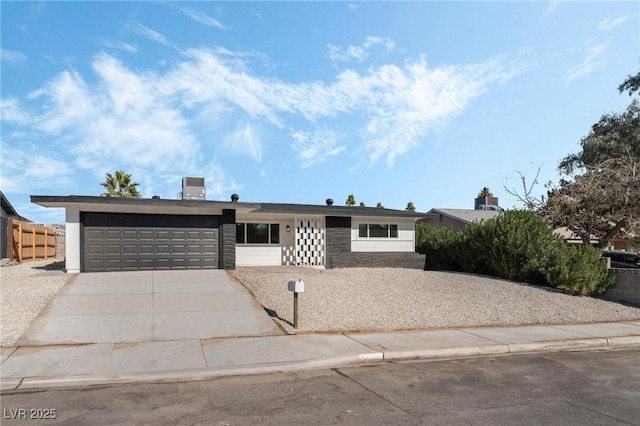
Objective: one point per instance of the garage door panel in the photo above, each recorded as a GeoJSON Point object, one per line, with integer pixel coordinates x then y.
{"type": "Point", "coordinates": [146, 264]}
{"type": "Point", "coordinates": [130, 263]}
{"type": "Point", "coordinates": [130, 234]}
{"type": "Point", "coordinates": [179, 249]}
{"type": "Point", "coordinates": [163, 234]}
{"type": "Point", "coordinates": [129, 249]}
{"type": "Point", "coordinates": [178, 235]}
{"type": "Point", "coordinates": [209, 248]}
{"type": "Point", "coordinates": [114, 241]}
{"type": "Point", "coordinates": [112, 234]}
{"type": "Point", "coordinates": [112, 249]}
{"type": "Point", "coordinates": [163, 248]}
{"type": "Point", "coordinates": [146, 234]}
{"type": "Point", "coordinates": [96, 249]}
{"type": "Point", "coordinates": [209, 235]}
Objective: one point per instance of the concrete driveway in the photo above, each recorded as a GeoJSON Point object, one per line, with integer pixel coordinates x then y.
{"type": "Point", "coordinates": [141, 306]}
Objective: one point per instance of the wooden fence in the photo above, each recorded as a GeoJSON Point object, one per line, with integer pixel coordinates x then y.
{"type": "Point", "coordinates": [32, 242]}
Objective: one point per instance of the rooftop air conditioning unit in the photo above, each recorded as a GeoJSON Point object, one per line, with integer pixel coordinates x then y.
{"type": "Point", "coordinates": [193, 188]}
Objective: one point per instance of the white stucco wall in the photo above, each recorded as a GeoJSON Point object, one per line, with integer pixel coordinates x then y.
{"type": "Point", "coordinates": [72, 239]}
{"type": "Point", "coordinates": [404, 242]}
{"type": "Point", "coordinates": [264, 254]}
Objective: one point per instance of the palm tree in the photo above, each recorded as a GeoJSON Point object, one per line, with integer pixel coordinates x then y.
{"type": "Point", "coordinates": [379, 205]}
{"type": "Point", "coordinates": [410, 207]}
{"type": "Point", "coordinates": [485, 193]}
{"type": "Point", "coordinates": [120, 185]}
{"type": "Point", "coordinates": [351, 200]}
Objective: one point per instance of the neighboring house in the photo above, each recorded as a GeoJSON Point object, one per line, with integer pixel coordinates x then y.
{"type": "Point", "coordinates": [7, 212]}
{"type": "Point", "coordinates": [457, 218]}
{"type": "Point", "coordinates": [617, 244]}
{"type": "Point", "coordinates": [112, 234]}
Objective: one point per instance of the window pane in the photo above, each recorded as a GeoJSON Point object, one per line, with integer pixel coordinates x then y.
{"type": "Point", "coordinates": [240, 233]}
{"type": "Point", "coordinates": [362, 230]}
{"type": "Point", "coordinates": [393, 231]}
{"type": "Point", "coordinates": [378, 231]}
{"type": "Point", "coordinates": [257, 233]}
{"type": "Point", "coordinates": [275, 233]}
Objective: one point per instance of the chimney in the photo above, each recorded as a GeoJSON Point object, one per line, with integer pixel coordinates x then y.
{"type": "Point", "coordinates": [487, 203]}
{"type": "Point", "coordinates": [193, 188]}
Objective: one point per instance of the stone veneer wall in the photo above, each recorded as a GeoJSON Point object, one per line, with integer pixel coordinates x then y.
{"type": "Point", "coordinates": [339, 254]}
{"type": "Point", "coordinates": [228, 240]}
{"type": "Point", "coordinates": [627, 286]}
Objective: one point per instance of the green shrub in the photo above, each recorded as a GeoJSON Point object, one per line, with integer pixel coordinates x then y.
{"type": "Point", "coordinates": [579, 271]}
{"type": "Point", "coordinates": [439, 246]}
{"type": "Point", "coordinates": [518, 246]}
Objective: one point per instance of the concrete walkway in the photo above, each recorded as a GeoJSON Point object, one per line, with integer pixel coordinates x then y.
{"type": "Point", "coordinates": [41, 367]}
{"type": "Point", "coordinates": [144, 306]}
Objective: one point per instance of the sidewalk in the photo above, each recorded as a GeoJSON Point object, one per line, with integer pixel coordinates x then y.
{"type": "Point", "coordinates": [43, 367]}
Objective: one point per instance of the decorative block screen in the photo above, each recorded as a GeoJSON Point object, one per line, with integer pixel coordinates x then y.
{"type": "Point", "coordinates": [309, 242]}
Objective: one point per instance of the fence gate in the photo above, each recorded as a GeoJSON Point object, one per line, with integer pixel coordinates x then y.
{"type": "Point", "coordinates": [32, 242]}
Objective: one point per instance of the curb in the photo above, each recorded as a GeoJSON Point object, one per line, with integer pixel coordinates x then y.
{"type": "Point", "coordinates": [39, 383]}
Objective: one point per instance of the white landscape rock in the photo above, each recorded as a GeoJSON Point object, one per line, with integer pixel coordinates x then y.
{"type": "Point", "coordinates": [390, 298]}
{"type": "Point", "coordinates": [25, 290]}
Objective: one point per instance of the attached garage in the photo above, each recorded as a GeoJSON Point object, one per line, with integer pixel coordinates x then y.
{"type": "Point", "coordinates": [127, 241]}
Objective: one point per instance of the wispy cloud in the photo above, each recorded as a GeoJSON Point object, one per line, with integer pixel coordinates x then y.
{"type": "Point", "coordinates": [202, 18]}
{"type": "Point", "coordinates": [551, 8]}
{"type": "Point", "coordinates": [609, 24]}
{"type": "Point", "coordinates": [359, 53]}
{"type": "Point", "coordinates": [150, 34]}
{"type": "Point", "coordinates": [244, 140]}
{"type": "Point", "coordinates": [141, 120]}
{"type": "Point", "coordinates": [12, 112]}
{"type": "Point", "coordinates": [315, 148]}
{"type": "Point", "coordinates": [12, 56]}
{"type": "Point", "coordinates": [44, 172]}
{"type": "Point", "coordinates": [592, 62]}
{"type": "Point", "coordinates": [128, 47]}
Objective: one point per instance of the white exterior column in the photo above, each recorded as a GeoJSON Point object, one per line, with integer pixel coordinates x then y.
{"type": "Point", "coordinates": [72, 239]}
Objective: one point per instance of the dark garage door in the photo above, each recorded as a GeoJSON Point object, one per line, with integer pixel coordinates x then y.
{"type": "Point", "coordinates": [124, 241]}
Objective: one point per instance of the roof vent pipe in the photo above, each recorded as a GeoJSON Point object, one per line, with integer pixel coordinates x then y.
{"type": "Point", "coordinates": [329, 201]}
{"type": "Point", "coordinates": [235, 198]}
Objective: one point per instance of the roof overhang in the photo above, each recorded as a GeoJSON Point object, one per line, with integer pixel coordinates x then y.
{"type": "Point", "coordinates": [168, 206]}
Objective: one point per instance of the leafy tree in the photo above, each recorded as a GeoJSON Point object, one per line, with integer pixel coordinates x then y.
{"type": "Point", "coordinates": [410, 207]}
{"type": "Point", "coordinates": [351, 200]}
{"type": "Point", "coordinates": [599, 193]}
{"type": "Point", "coordinates": [600, 196]}
{"type": "Point", "coordinates": [120, 185]}
{"type": "Point", "coordinates": [379, 205]}
{"type": "Point", "coordinates": [362, 204]}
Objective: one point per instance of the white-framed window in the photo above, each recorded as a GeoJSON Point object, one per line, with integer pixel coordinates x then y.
{"type": "Point", "coordinates": [377, 230]}
{"type": "Point", "coordinates": [257, 233]}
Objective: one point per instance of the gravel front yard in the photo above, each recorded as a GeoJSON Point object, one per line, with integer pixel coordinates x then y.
{"type": "Point", "coordinates": [25, 289]}
{"type": "Point", "coordinates": [388, 298]}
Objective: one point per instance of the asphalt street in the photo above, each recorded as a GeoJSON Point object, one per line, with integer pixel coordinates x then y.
{"type": "Point", "coordinates": [562, 388]}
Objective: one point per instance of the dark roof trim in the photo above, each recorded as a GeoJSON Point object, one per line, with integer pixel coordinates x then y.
{"type": "Point", "coordinates": [7, 207]}
{"type": "Point", "coordinates": [264, 208]}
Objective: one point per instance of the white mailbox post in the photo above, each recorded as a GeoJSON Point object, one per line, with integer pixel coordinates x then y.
{"type": "Point", "coordinates": [296, 286]}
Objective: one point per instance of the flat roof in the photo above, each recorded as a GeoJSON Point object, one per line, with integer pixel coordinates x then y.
{"type": "Point", "coordinates": [241, 207]}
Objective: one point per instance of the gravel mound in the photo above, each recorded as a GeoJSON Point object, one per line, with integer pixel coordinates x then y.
{"type": "Point", "coordinates": [390, 298]}
{"type": "Point", "coordinates": [25, 289]}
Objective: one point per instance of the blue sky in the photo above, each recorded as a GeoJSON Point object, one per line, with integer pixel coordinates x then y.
{"type": "Point", "coordinates": [301, 101]}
